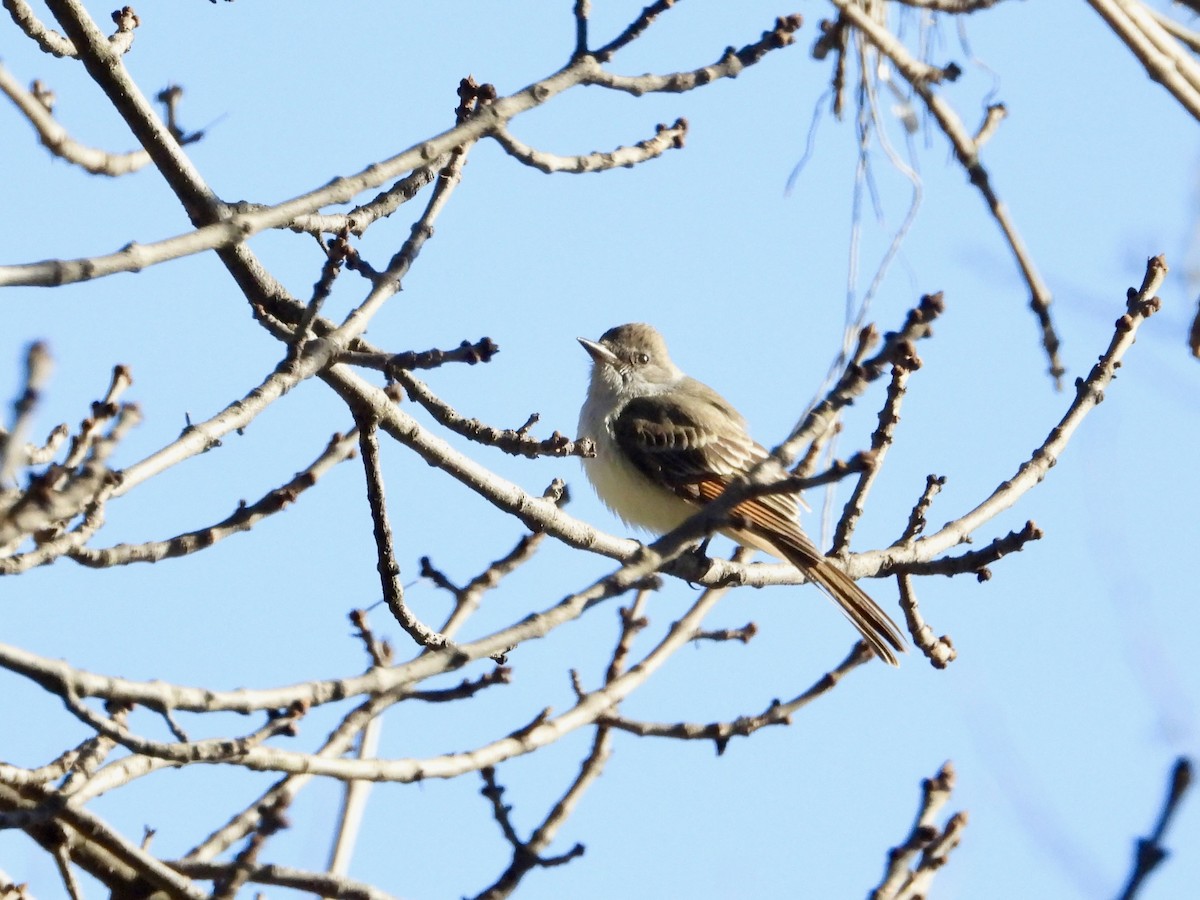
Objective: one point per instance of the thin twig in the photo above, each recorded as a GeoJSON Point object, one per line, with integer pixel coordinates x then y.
{"type": "Point", "coordinates": [481, 351]}
{"type": "Point", "coordinates": [900, 882]}
{"type": "Point", "coordinates": [881, 440]}
{"type": "Point", "coordinates": [938, 650]}
{"type": "Point", "coordinates": [319, 883]}
{"type": "Point", "coordinates": [59, 45]}
{"type": "Point", "coordinates": [55, 137]}
{"type": "Point", "coordinates": [38, 367]}
{"type": "Point", "coordinates": [634, 30]}
{"type": "Point", "coordinates": [777, 713]}
{"type": "Point", "coordinates": [245, 517]}
{"type": "Point", "coordinates": [511, 440]}
{"type": "Point", "coordinates": [922, 77]}
{"type": "Point", "coordinates": [975, 562]}
{"type": "Point", "coordinates": [860, 371]}
{"type": "Point", "coordinates": [666, 137]}
{"type": "Point", "coordinates": [730, 65]}
{"type": "Point", "coordinates": [389, 569]}
{"type": "Point", "coordinates": [917, 518]}
{"type": "Point", "coordinates": [1140, 304]}
{"type": "Point", "coordinates": [1149, 851]}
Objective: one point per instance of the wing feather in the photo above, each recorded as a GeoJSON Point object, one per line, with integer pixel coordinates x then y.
{"type": "Point", "coordinates": [696, 449]}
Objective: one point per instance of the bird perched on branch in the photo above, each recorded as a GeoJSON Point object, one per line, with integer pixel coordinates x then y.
{"type": "Point", "coordinates": [666, 444]}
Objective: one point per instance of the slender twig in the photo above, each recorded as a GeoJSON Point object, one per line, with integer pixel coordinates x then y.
{"type": "Point", "coordinates": [938, 650]}
{"type": "Point", "coordinates": [744, 634]}
{"type": "Point", "coordinates": [55, 137]}
{"type": "Point", "coordinates": [337, 252]}
{"type": "Point", "coordinates": [211, 750]}
{"type": "Point", "coordinates": [468, 597]}
{"type": "Point", "coordinates": [975, 562]}
{"type": "Point", "coordinates": [62, 858]}
{"type": "Point", "coordinates": [245, 862]}
{"type": "Point", "coordinates": [995, 114]}
{"type": "Point", "coordinates": [917, 518]}
{"type": "Point", "coordinates": [359, 219]}
{"type": "Point", "coordinates": [222, 228]}
{"type": "Point", "coordinates": [481, 351]}
{"type": "Point", "coordinates": [922, 77]}
{"type": "Point", "coordinates": [245, 517]}
{"type": "Point", "coordinates": [467, 688]}
{"type": "Point", "coordinates": [730, 65]}
{"type": "Point", "coordinates": [59, 45]}
{"type": "Point", "coordinates": [881, 440]}
{"type": "Point", "coordinates": [321, 884]}
{"type": "Point", "coordinates": [777, 713]}
{"type": "Point", "coordinates": [633, 620]}
{"type": "Point", "coordinates": [38, 366]}
{"type": "Point", "coordinates": [378, 651]}
{"type": "Point", "coordinates": [667, 137]}
{"type": "Point", "coordinates": [1149, 851]}
{"type": "Point", "coordinates": [1089, 392]}
{"type": "Point", "coordinates": [860, 371]}
{"type": "Point", "coordinates": [902, 880]}
{"type": "Point", "coordinates": [635, 29]}
{"type": "Point", "coordinates": [527, 855]}
{"type": "Point", "coordinates": [511, 440]}
{"type": "Point", "coordinates": [389, 569]}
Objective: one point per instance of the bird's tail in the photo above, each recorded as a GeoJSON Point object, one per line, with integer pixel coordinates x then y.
{"type": "Point", "coordinates": [876, 626]}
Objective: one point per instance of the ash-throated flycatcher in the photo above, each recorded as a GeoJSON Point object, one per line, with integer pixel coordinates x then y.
{"type": "Point", "coordinates": [667, 444]}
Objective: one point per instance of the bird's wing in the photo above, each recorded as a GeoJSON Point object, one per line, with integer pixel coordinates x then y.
{"type": "Point", "coordinates": [677, 446]}
{"type": "Point", "coordinates": [696, 449]}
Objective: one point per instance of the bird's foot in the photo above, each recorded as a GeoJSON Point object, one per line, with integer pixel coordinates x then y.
{"type": "Point", "coordinates": [700, 554]}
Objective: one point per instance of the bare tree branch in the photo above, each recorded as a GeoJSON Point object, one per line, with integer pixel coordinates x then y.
{"type": "Point", "coordinates": [777, 713]}
{"type": "Point", "coordinates": [1089, 392]}
{"type": "Point", "coordinates": [1164, 60]}
{"type": "Point", "coordinates": [339, 449]}
{"type": "Point", "coordinates": [922, 77]}
{"type": "Point", "coordinates": [56, 44]}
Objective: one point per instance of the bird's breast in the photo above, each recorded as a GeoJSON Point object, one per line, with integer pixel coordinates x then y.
{"type": "Point", "coordinates": [629, 493]}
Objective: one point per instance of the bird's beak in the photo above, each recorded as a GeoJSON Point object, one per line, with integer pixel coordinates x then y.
{"type": "Point", "coordinates": [599, 353]}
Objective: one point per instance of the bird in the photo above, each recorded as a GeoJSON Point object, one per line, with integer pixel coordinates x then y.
{"type": "Point", "coordinates": [667, 444]}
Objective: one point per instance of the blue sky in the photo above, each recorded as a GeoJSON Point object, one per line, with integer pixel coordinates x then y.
{"type": "Point", "coordinates": [1075, 686]}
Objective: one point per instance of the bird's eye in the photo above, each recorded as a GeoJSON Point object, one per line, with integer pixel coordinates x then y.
{"type": "Point", "coordinates": [641, 358]}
